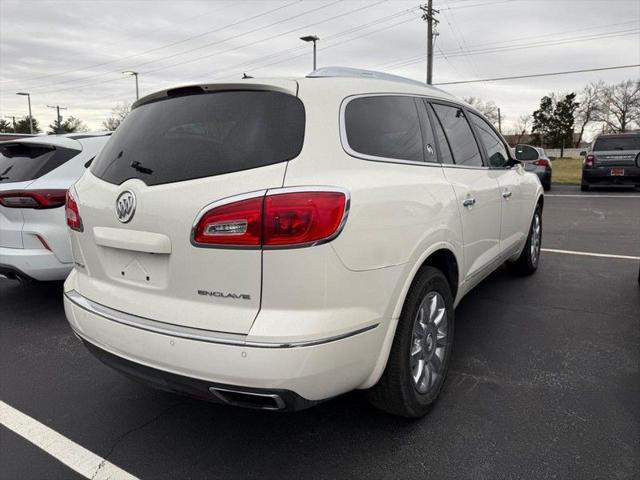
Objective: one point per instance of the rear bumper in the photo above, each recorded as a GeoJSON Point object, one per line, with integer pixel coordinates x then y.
{"type": "Point", "coordinates": [602, 175]}
{"type": "Point", "coordinates": [36, 264]}
{"type": "Point", "coordinates": [300, 375]}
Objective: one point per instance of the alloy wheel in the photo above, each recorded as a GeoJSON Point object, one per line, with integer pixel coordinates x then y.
{"type": "Point", "coordinates": [429, 342]}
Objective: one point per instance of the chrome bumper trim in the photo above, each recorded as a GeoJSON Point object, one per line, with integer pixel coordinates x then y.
{"type": "Point", "coordinates": [191, 333]}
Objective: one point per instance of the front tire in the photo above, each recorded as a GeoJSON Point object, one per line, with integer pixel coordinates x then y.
{"type": "Point", "coordinates": [527, 262]}
{"type": "Point", "coordinates": [421, 349]}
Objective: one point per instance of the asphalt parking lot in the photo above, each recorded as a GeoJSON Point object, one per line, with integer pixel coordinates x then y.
{"type": "Point", "coordinates": [544, 383]}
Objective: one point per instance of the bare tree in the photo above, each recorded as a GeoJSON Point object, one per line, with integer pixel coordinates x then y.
{"type": "Point", "coordinates": [521, 126]}
{"type": "Point", "coordinates": [621, 110]}
{"type": "Point", "coordinates": [590, 108]}
{"type": "Point", "coordinates": [118, 114]}
{"type": "Point", "coordinates": [488, 109]}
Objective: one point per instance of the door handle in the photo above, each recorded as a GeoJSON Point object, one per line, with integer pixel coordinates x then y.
{"type": "Point", "coordinates": [506, 194]}
{"type": "Point", "coordinates": [469, 202]}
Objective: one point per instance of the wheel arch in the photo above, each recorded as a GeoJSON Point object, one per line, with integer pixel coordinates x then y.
{"type": "Point", "coordinates": [442, 257]}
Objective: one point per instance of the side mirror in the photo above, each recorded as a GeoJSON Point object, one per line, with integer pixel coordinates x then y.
{"type": "Point", "coordinates": [526, 153]}
{"type": "Point", "coordinates": [583, 153]}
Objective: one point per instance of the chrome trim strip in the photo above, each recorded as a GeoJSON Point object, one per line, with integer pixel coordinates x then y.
{"type": "Point", "coordinates": [191, 333]}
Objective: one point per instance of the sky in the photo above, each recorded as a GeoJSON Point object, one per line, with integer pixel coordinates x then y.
{"type": "Point", "coordinates": [73, 53]}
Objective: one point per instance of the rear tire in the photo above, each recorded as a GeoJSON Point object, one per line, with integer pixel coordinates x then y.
{"type": "Point", "coordinates": [529, 259]}
{"type": "Point", "coordinates": [421, 349]}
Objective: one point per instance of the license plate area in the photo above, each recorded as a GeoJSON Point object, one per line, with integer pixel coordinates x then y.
{"type": "Point", "coordinates": [617, 172]}
{"type": "Point", "coordinates": [137, 268]}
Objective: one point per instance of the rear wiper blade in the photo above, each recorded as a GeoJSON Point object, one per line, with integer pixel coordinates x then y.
{"type": "Point", "coordinates": [138, 167]}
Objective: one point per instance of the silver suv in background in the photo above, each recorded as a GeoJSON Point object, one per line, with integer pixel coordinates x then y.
{"type": "Point", "coordinates": [613, 159]}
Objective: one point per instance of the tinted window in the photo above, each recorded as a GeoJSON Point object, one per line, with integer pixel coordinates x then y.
{"type": "Point", "coordinates": [630, 142]}
{"type": "Point", "coordinates": [21, 162]}
{"type": "Point", "coordinates": [496, 151]}
{"type": "Point", "coordinates": [463, 144]}
{"type": "Point", "coordinates": [445, 151]}
{"type": "Point", "coordinates": [384, 126]}
{"type": "Point", "coordinates": [526, 153]}
{"type": "Point", "coordinates": [195, 136]}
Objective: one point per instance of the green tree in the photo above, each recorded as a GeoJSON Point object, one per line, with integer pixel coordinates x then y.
{"type": "Point", "coordinates": [553, 121]}
{"type": "Point", "coordinates": [5, 127]}
{"type": "Point", "coordinates": [22, 125]}
{"type": "Point", "coordinates": [70, 125]}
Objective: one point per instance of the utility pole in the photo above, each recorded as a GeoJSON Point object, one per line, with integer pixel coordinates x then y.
{"type": "Point", "coordinates": [59, 121]}
{"type": "Point", "coordinates": [499, 121]}
{"type": "Point", "coordinates": [429, 17]}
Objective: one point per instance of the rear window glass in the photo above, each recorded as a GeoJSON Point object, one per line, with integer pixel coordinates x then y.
{"type": "Point", "coordinates": [384, 126]}
{"type": "Point", "coordinates": [617, 143]}
{"type": "Point", "coordinates": [22, 162]}
{"type": "Point", "coordinates": [195, 136]}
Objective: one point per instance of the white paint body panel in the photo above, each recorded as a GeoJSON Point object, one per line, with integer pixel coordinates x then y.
{"type": "Point", "coordinates": [399, 215]}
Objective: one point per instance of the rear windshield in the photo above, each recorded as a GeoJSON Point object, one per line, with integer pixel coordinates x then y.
{"type": "Point", "coordinates": [195, 136]}
{"type": "Point", "coordinates": [617, 143]}
{"type": "Point", "coordinates": [22, 162]}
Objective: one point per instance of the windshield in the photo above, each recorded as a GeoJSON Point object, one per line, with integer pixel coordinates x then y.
{"type": "Point", "coordinates": [195, 136]}
{"type": "Point", "coordinates": [22, 162]}
{"type": "Point", "coordinates": [626, 142]}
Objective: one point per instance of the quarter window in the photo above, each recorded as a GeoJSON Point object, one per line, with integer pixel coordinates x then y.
{"type": "Point", "coordinates": [463, 144]}
{"type": "Point", "coordinates": [445, 150]}
{"type": "Point", "coordinates": [496, 151]}
{"type": "Point", "coordinates": [384, 126]}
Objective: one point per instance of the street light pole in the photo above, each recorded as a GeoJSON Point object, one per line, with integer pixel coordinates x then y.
{"type": "Point", "coordinates": [30, 117]}
{"type": "Point", "coordinates": [135, 74]}
{"type": "Point", "coordinates": [314, 39]}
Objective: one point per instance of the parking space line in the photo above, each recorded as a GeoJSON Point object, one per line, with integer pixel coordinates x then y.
{"type": "Point", "coordinates": [74, 456]}
{"type": "Point", "coordinates": [588, 196]}
{"type": "Point", "coordinates": [590, 254]}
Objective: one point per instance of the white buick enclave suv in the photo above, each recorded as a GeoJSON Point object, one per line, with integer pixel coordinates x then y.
{"type": "Point", "coordinates": [275, 243]}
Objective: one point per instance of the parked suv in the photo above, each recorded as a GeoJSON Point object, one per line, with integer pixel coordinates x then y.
{"type": "Point", "coordinates": [613, 159]}
{"type": "Point", "coordinates": [35, 174]}
{"type": "Point", "coordinates": [275, 243]}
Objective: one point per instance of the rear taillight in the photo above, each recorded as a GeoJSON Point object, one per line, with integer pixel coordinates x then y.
{"type": "Point", "coordinates": [274, 220]}
{"type": "Point", "coordinates": [32, 198]}
{"type": "Point", "coordinates": [589, 161]}
{"type": "Point", "coordinates": [237, 223]}
{"type": "Point", "coordinates": [543, 162]}
{"type": "Point", "coordinates": [72, 213]}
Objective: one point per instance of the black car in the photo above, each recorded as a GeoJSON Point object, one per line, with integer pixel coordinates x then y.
{"type": "Point", "coordinates": [614, 159]}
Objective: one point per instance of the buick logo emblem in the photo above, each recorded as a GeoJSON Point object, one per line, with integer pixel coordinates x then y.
{"type": "Point", "coordinates": [125, 206]}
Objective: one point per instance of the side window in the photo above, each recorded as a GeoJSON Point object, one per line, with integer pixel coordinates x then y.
{"type": "Point", "coordinates": [463, 144]}
{"type": "Point", "coordinates": [445, 150]}
{"type": "Point", "coordinates": [384, 126]}
{"type": "Point", "coordinates": [496, 151]}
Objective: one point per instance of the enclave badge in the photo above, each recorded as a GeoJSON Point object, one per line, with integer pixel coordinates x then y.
{"type": "Point", "coordinates": [125, 206]}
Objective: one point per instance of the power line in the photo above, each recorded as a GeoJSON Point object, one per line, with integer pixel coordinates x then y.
{"type": "Point", "coordinates": [549, 74]}
{"type": "Point", "coordinates": [544, 43]}
{"type": "Point", "coordinates": [110, 62]}
{"type": "Point", "coordinates": [137, 65]}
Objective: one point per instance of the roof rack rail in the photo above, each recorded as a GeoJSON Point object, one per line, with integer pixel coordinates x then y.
{"type": "Point", "coordinates": [360, 73]}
